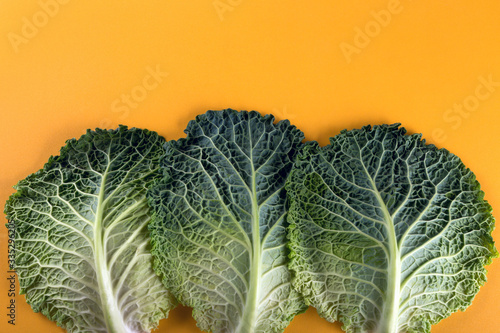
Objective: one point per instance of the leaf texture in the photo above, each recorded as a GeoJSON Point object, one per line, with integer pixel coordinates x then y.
{"type": "Point", "coordinates": [82, 243]}
{"type": "Point", "coordinates": [218, 228]}
{"type": "Point", "coordinates": [387, 234]}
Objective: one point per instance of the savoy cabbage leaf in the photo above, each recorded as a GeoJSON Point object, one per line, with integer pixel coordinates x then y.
{"type": "Point", "coordinates": [82, 243]}
{"type": "Point", "coordinates": [218, 227]}
{"type": "Point", "coordinates": [387, 234]}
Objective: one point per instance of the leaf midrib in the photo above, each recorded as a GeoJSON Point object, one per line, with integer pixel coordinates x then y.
{"type": "Point", "coordinates": [249, 316]}
{"type": "Point", "coordinates": [390, 312]}
{"type": "Point", "coordinates": [111, 312]}
{"type": "Point", "coordinates": [390, 309]}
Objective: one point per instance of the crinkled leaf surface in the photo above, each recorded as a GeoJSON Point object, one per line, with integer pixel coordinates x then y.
{"type": "Point", "coordinates": [82, 243]}
{"type": "Point", "coordinates": [218, 228]}
{"type": "Point", "coordinates": [387, 234]}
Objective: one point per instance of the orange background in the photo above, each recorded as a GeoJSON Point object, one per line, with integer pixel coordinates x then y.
{"type": "Point", "coordinates": [302, 60]}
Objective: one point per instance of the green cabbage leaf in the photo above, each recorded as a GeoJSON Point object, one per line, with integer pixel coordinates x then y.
{"type": "Point", "coordinates": [82, 244]}
{"type": "Point", "coordinates": [218, 228]}
{"type": "Point", "coordinates": [387, 234]}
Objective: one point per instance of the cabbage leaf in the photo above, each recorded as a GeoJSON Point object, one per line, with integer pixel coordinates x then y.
{"type": "Point", "coordinates": [387, 234]}
{"type": "Point", "coordinates": [82, 243]}
{"type": "Point", "coordinates": [218, 227]}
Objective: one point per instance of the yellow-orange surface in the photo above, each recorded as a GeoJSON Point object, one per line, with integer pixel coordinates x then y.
{"type": "Point", "coordinates": [326, 65]}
